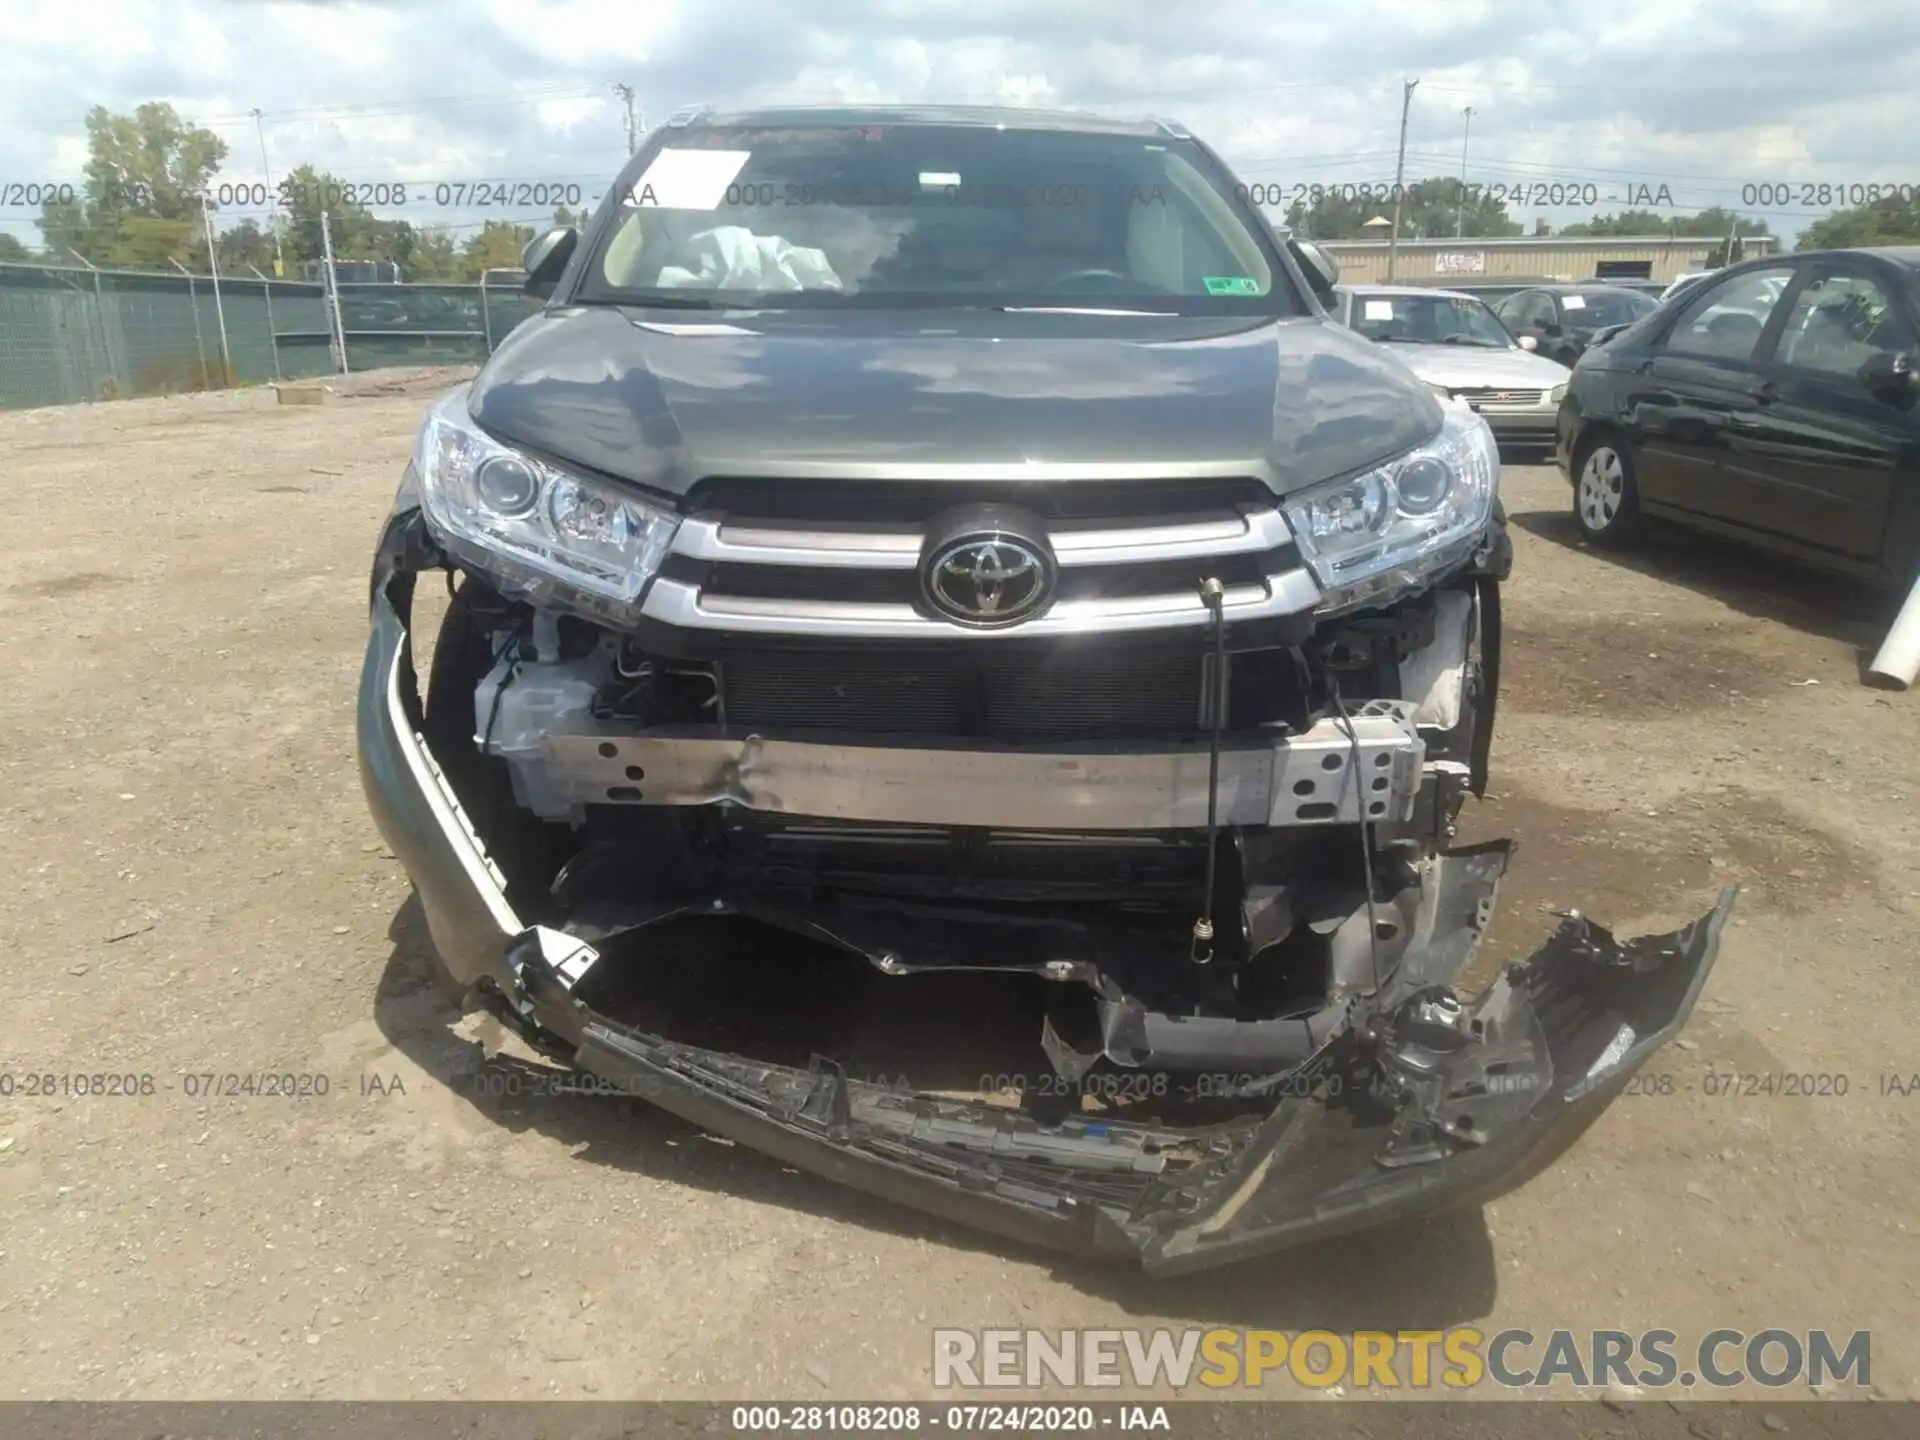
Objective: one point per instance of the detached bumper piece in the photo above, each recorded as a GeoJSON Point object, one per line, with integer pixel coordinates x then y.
{"type": "Point", "coordinates": [1432, 1104]}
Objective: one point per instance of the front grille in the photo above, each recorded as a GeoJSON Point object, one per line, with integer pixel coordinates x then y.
{"type": "Point", "coordinates": [902, 587]}
{"type": "Point", "coordinates": [801, 559]}
{"type": "Point", "coordinates": [1483, 395]}
{"type": "Point", "coordinates": [754, 500]}
{"type": "Point", "coordinates": [1032, 696]}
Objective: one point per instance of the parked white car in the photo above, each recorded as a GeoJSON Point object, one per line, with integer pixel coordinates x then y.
{"type": "Point", "coordinates": [1458, 346]}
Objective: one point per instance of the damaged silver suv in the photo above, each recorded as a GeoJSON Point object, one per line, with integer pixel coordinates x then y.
{"type": "Point", "coordinates": [961, 539]}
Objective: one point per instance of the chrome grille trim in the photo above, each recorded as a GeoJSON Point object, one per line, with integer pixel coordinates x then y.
{"type": "Point", "coordinates": [676, 602]}
{"type": "Point", "coordinates": [1488, 395]}
{"type": "Point", "coordinates": [710, 537]}
{"type": "Point", "coordinates": [1114, 542]}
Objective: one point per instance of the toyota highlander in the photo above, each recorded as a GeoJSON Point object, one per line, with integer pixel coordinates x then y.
{"type": "Point", "coordinates": [963, 540]}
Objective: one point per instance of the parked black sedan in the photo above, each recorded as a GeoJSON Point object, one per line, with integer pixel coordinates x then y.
{"type": "Point", "coordinates": [1562, 320]}
{"type": "Point", "coordinates": [1776, 403]}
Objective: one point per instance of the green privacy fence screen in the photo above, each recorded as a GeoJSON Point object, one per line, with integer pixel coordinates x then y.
{"type": "Point", "coordinates": [73, 334]}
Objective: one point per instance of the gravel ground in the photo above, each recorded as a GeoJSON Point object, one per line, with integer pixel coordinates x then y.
{"type": "Point", "coordinates": [198, 890]}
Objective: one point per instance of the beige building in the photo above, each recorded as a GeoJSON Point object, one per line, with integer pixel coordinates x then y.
{"type": "Point", "coordinates": [1532, 257]}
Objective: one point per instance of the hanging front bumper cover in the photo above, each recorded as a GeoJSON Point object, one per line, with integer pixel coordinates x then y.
{"type": "Point", "coordinates": [1434, 1104]}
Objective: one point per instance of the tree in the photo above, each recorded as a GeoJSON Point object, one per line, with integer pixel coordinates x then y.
{"type": "Point", "coordinates": [1429, 209]}
{"type": "Point", "coordinates": [1727, 252]}
{"type": "Point", "coordinates": [1627, 222]}
{"type": "Point", "coordinates": [1890, 220]}
{"type": "Point", "coordinates": [12, 251]}
{"type": "Point", "coordinates": [425, 254]}
{"type": "Point", "coordinates": [1714, 221]}
{"type": "Point", "coordinates": [356, 234]}
{"type": "Point", "coordinates": [246, 244]}
{"type": "Point", "coordinates": [563, 217]}
{"type": "Point", "coordinates": [495, 245]}
{"type": "Point", "coordinates": [139, 203]}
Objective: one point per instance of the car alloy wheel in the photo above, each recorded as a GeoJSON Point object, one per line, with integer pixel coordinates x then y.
{"type": "Point", "coordinates": [1604, 500]}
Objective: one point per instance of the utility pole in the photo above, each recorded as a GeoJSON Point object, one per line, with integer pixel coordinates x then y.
{"type": "Point", "coordinates": [1399, 177]}
{"type": "Point", "coordinates": [625, 92]}
{"type": "Point", "coordinates": [1465, 129]}
{"type": "Point", "coordinates": [259, 129]}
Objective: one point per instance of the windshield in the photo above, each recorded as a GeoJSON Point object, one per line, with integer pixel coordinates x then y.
{"type": "Point", "coordinates": [1593, 309]}
{"type": "Point", "coordinates": [1428, 320]}
{"type": "Point", "coordinates": [934, 214]}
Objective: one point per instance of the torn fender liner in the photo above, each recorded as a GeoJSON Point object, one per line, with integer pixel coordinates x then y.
{"type": "Point", "coordinates": [1431, 1104]}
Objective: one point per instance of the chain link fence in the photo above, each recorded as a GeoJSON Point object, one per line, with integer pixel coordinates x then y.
{"type": "Point", "coordinates": [70, 334]}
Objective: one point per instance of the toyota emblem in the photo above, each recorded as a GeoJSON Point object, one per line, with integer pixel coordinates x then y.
{"type": "Point", "coordinates": [988, 580]}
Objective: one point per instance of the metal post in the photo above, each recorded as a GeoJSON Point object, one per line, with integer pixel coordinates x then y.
{"type": "Point", "coordinates": [273, 340]}
{"type": "Point", "coordinates": [193, 304]}
{"type": "Point", "coordinates": [279, 257]}
{"type": "Point", "coordinates": [227, 377]}
{"type": "Point", "coordinates": [100, 318]}
{"type": "Point", "coordinates": [486, 314]}
{"type": "Point", "coordinates": [1399, 176]}
{"type": "Point", "coordinates": [335, 321]}
{"type": "Point", "coordinates": [1465, 129]}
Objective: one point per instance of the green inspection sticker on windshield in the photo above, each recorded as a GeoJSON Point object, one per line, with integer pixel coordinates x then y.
{"type": "Point", "coordinates": [1230, 285]}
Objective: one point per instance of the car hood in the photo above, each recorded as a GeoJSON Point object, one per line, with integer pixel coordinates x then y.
{"type": "Point", "coordinates": [1460, 365]}
{"type": "Point", "coordinates": [664, 399]}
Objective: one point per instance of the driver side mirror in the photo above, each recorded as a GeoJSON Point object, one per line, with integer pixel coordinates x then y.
{"type": "Point", "coordinates": [1527, 342]}
{"type": "Point", "coordinates": [1320, 268]}
{"type": "Point", "coordinates": [545, 260]}
{"type": "Point", "coordinates": [1890, 375]}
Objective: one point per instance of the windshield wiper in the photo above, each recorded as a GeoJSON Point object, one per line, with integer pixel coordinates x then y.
{"type": "Point", "coordinates": [1077, 310]}
{"type": "Point", "coordinates": [666, 302]}
{"type": "Point", "coordinates": [1469, 340]}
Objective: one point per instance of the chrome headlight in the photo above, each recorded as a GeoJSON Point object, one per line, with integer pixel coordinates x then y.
{"type": "Point", "coordinates": [1374, 535]}
{"type": "Point", "coordinates": [1558, 394]}
{"type": "Point", "coordinates": [547, 536]}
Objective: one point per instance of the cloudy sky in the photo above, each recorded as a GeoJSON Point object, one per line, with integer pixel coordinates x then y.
{"type": "Point", "coordinates": [1705, 97]}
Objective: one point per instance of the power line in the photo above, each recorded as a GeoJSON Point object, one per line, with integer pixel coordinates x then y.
{"type": "Point", "coordinates": [381, 109]}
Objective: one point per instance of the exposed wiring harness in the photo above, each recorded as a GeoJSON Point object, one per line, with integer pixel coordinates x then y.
{"type": "Point", "coordinates": [1213, 595]}
{"type": "Point", "coordinates": [1366, 831]}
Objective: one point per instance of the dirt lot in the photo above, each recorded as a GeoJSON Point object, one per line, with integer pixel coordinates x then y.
{"type": "Point", "coordinates": [196, 888]}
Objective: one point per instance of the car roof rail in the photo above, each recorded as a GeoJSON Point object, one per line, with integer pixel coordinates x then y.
{"type": "Point", "coordinates": [1171, 128]}
{"type": "Point", "coordinates": [687, 115]}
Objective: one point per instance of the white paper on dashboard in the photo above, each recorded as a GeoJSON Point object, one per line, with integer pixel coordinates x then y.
{"type": "Point", "coordinates": [1573, 302]}
{"type": "Point", "coordinates": [1378, 310]}
{"type": "Point", "coordinates": [689, 179]}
